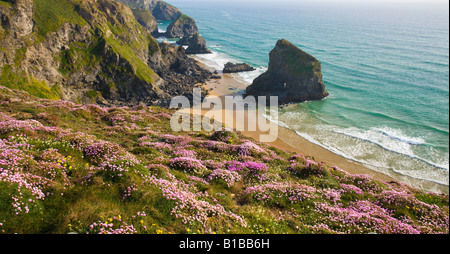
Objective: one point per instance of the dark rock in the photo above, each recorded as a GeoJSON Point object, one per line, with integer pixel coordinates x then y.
{"type": "Point", "coordinates": [180, 72]}
{"type": "Point", "coordinates": [182, 27]}
{"type": "Point", "coordinates": [293, 76]}
{"type": "Point", "coordinates": [184, 41]}
{"type": "Point", "coordinates": [239, 67]}
{"type": "Point", "coordinates": [197, 45]}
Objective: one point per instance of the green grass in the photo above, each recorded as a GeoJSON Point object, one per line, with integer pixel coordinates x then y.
{"type": "Point", "coordinates": [81, 56]}
{"type": "Point", "coordinates": [50, 15]}
{"type": "Point", "coordinates": [184, 18]}
{"type": "Point", "coordinates": [298, 62]}
{"type": "Point", "coordinates": [142, 70]}
{"type": "Point", "coordinates": [4, 3]}
{"type": "Point", "coordinates": [13, 80]}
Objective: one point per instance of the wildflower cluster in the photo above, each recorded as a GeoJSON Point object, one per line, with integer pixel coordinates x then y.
{"type": "Point", "coordinates": [187, 164]}
{"type": "Point", "coordinates": [191, 206]}
{"type": "Point", "coordinates": [281, 193]}
{"type": "Point", "coordinates": [125, 160]}
{"type": "Point", "coordinates": [114, 225]}
{"type": "Point", "coordinates": [227, 176]}
{"type": "Point", "coordinates": [252, 170]}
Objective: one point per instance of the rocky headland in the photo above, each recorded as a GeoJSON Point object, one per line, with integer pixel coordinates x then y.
{"type": "Point", "coordinates": [90, 52]}
{"type": "Point", "coordinates": [293, 75]}
{"type": "Point", "coordinates": [181, 27]}
{"type": "Point", "coordinates": [160, 10]}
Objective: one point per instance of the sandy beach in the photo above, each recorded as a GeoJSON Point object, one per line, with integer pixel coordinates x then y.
{"type": "Point", "coordinates": [288, 140]}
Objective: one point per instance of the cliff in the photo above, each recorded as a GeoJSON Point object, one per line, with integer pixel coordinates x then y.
{"type": "Point", "coordinates": [146, 19]}
{"type": "Point", "coordinates": [84, 51]}
{"type": "Point", "coordinates": [160, 10]}
{"type": "Point", "coordinates": [181, 26]}
{"type": "Point", "coordinates": [293, 76]}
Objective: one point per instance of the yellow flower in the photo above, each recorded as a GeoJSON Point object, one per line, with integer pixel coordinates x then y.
{"type": "Point", "coordinates": [70, 167]}
{"type": "Point", "coordinates": [120, 217]}
{"type": "Point", "coordinates": [142, 222]}
{"type": "Point", "coordinates": [188, 230]}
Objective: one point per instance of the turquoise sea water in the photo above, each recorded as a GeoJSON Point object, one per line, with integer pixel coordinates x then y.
{"type": "Point", "coordinates": [386, 68]}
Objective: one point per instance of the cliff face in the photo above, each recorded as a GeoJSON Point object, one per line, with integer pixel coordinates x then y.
{"type": "Point", "coordinates": [197, 45]}
{"type": "Point", "coordinates": [159, 9]}
{"type": "Point", "coordinates": [182, 25]}
{"type": "Point", "coordinates": [293, 76]}
{"type": "Point", "coordinates": [178, 70]}
{"type": "Point", "coordinates": [83, 51]}
{"type": "Point", "coordinates": [146, 19]}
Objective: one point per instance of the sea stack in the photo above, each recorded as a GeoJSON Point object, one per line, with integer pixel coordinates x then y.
{"type": "Point", "coordinates": [197, 45]}
{"type": "Point", "coordinates": [293, 76]}
{"type": "Point", "coordinates": [181, 27]}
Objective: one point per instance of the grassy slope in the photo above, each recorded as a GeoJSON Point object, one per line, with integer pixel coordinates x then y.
{"type": "Point", "coordinates": [66, 167]}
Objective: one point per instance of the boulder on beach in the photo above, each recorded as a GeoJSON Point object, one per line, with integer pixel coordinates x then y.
{"type": "Point", "coordinates": [238, 67]}
{"type": "Point", "coordinates": [293, 75]}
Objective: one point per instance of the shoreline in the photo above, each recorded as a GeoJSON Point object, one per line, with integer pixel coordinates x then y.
{"type": "Point", "coordinates": [289, 140]}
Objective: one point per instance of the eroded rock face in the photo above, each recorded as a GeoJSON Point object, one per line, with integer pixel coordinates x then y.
{"type": "Point", "coordinates": [293, 76]}
{"type": "Point", "coordinates": [146, 19]}
{"type": "Point", "coordinates": [182, 27]}
{"type": "Point", "coordinates": [100, 55]}
{"type": "Point", "coordinates": [178, 70]}
{"type": "Point", "coordinates": [197, 45]}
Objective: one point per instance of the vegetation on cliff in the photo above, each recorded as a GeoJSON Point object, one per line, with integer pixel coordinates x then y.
{"type": "Point", "coordinates": [69, 49]}
{"type": "Point", "coordinates": [67, 167]}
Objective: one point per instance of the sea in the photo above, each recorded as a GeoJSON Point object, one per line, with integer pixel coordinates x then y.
{"type": "Point", "coordinates": [385, 65]}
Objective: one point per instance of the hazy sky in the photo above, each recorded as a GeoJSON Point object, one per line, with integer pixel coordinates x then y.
{"type": "Point", "coordinates": [334, 1]}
